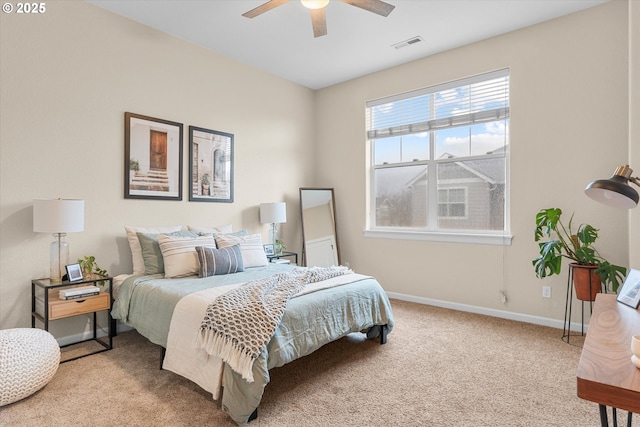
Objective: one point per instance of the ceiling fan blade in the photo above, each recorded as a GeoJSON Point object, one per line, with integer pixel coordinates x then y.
{"type": "Point", "coordinates": [319, 22]}
{"type": "Point", "coordinates": [264, 7]}
{"type": "Point", "coordinates": [376, 6]}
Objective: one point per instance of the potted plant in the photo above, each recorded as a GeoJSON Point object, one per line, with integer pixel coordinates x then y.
{"type": "Point", "coordinates": [90, 268]}
{"type": "Point", "coordinates": [279, 247]}
{"type": "Point", "coordinates": [205, 184]}
{"type": "Point", "coordinates": [134, 165]}
{"type": "Point", "coordinates": [560, 241]}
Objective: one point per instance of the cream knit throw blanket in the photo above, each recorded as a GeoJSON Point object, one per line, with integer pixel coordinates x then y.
{"type": "Point", "coordinates": [239, 324]}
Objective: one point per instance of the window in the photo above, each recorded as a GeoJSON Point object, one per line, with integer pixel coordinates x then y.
{"type": "Point", "coordinates": [439, 160]}
{"type": "Point", "coordinates": [452, 203]}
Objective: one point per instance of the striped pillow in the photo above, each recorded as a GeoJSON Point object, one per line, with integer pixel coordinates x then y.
{"type": "Point", "coordinates": [179, 254]}
{"type": "Point", "coordinates": [251, 247]}
{"type": "Point", "coordinates": [151, 254]}
{"type": "Point", "coordinates": [219, 261]}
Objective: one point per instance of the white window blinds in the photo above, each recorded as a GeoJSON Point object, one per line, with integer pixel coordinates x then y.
{"type": "Point", "coordinates": [478, 99]}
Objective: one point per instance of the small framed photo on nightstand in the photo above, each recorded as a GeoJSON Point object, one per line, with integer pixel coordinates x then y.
{"type": "Point", "coordinates": [74, 272]}
{"type": "Point", "coordinates": [630, 292]}
{"type": "Point", "coordinates": [269, 249]}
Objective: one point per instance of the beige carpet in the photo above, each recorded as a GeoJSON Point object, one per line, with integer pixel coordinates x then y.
{"type": "Point", "coordinates": [439, 368]}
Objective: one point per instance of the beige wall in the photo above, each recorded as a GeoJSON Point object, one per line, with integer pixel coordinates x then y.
{"type": "Point", "coordinates": [67, 78]}
{"type": "Point", "coordinates": [569, 125]}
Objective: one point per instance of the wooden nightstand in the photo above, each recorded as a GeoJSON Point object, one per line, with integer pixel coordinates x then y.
{"type": "Point", "coordinates": [47, 306]}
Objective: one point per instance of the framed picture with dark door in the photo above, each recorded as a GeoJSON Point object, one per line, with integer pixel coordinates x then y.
{"type": "Point", "coordinates": [152, 158]}
{"type": "Point", "coordinates": [210, 165]}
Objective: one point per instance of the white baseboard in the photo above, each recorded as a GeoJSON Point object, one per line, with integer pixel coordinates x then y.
{"type": "Point", "coordinates": [527, 318]}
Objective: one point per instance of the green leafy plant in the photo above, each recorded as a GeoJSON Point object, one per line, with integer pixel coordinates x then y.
{"type": "Point", "coordinates": [205, 179]}
{"type": "Point", "coordinates": [279, 247]}
{"type": "Point", "coordinates": [134, 165]}
{"type": "Point", "coordinates": [90, 267]}
{"type": "Point", "coordinates": [560, 241]}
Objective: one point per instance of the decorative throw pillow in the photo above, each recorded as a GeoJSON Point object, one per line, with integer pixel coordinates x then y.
{"type": "Point", "coordinates": [250, 246]}
{"type": "Point", "coordinates": [243, 232]}
{"type": "Point", "coordinates": [134, 243]}
{"type": "Point", "coordinates": [214, 230]}
{"type": "Point", "coordinates": [219, 261]}
{"type": "Point", "coordinates": [151, 254]}
{"type": "Point", "coordinates": [179, 254]}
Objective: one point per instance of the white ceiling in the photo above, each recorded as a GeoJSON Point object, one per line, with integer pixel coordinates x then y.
{"type": "Point", "coordinates": [358, 42]}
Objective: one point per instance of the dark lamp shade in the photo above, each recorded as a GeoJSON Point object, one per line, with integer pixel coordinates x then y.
{"type": "Point", "coordinates": [614, 191]}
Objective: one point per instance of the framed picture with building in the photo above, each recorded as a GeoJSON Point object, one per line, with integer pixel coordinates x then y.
{"type": "Point", "coordinates": [152, 158]}
{"type": "Point", "coordinates": [210, 165]}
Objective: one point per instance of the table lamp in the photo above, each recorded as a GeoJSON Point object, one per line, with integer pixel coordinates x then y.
{"type": "Point", "coordinates": [58, 216]}
{"type": "Point", "coordinates": [273, 213]}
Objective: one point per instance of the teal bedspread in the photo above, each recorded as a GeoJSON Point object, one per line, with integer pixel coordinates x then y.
{"type": "Point", "coordinates": [310, 321]}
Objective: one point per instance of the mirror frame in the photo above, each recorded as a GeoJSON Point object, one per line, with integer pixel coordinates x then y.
{"type": "Point", "coordinates": [335, 223]}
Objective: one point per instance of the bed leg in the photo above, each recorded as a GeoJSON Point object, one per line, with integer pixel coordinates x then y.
{"type": "Point", "coordinates": [383, 334]}
{"type": "Point", "coordinates": [163, 352]}
{"type": "Point", "coordinates": [253, 415]}
{"type": "Point", "coordinates": [114, 327]}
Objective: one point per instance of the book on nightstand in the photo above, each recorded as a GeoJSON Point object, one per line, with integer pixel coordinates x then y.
{"type": "Point", "coordinates": [81, 292]}
{"type": "Point", "coordinates": [280, 261]}
{"type": "Point", "coordinates": [88, 294]}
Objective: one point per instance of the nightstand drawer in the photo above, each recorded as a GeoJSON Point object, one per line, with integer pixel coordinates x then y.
{"type": "Point", "coordinates": [60, 309]}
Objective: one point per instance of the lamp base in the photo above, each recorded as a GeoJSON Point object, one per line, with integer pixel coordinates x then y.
{"type": "Point", "coordinates": [58, 257]}
{"type": "Point", "coordinates": [274, 239]}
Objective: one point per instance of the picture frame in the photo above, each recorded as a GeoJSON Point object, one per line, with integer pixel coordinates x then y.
{"type": "Point", "coordinates": [210, 165]}
{"type": "Point", "coordinates": [629, 294]}
{"type": "Point", "coordinates": [74, 272]}
{"type": "Point", "coordinates": [269, 249]}
{"type": "Point", "coordinates": [152, 158]}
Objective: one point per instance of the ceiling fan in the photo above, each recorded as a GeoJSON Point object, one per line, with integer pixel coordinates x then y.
{"type": "Point", "coordinates": [316, 7]}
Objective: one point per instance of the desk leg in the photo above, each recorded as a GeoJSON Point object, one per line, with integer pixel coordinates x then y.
{"type": "Point", "coordinates": [604, 421]}
{"type": "Point", "coordinates": [629, 421]}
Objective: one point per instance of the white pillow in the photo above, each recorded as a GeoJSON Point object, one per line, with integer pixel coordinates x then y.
{"type": "Point", "coordinates": [134, 243]}
{"type": "Point", "coordinates": [214, 230]}
{"type": "Point", "coordinates": [179, 254]}
{"type": "Point", "coordinates": [250, 246]}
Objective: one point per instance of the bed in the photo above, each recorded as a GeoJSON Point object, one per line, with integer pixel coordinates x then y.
{"type": "Point", "coordinates": [168, 309]}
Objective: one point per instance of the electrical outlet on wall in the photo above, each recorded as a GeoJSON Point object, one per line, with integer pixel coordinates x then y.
{"type": "Point", "coordinates": [546, 292]}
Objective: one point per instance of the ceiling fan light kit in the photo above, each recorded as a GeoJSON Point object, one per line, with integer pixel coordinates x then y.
{"type": "Point", "coordinates": [314, 4]}
{"type": "Point", "coordinates": [317, 9]}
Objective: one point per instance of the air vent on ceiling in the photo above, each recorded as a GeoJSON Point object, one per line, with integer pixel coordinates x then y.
{"type": "Point", "coordinates": [412, 40]}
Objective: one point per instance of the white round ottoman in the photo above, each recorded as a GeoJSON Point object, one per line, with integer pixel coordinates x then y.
{"type": "Point", "coordinates": [29, 358]}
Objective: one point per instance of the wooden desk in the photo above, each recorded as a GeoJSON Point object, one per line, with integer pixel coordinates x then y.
{"type": "Point", "coordinates": [606, 374]}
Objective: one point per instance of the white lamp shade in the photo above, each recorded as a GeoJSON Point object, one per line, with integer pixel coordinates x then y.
{"type": "Point", "coordinates": [273, 213]}
{"type": "Point", "coordinates": [58, 215]}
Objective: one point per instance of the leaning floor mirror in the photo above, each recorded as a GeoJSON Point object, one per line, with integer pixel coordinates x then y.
{"type": "Point", "coordinates": [319, 236]}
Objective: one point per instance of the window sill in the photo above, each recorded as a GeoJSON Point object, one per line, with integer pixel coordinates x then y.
{"type": "Point", "coordinates": [479, 238]}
